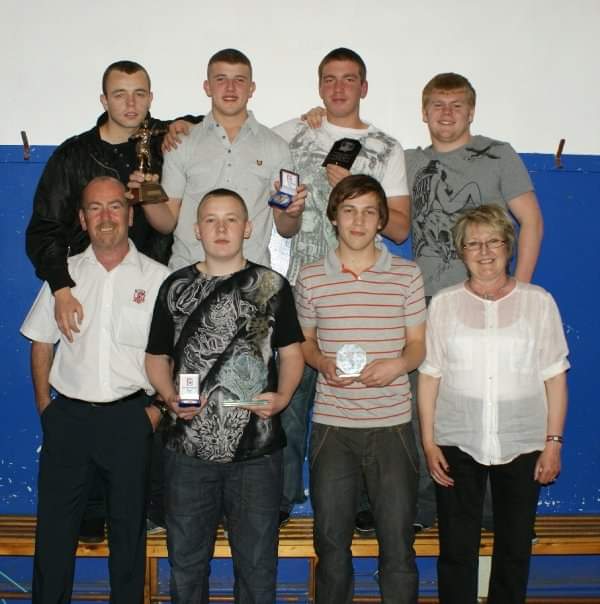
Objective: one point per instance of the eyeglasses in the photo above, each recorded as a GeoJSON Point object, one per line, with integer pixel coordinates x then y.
{"type": "Point", "coordinates": [477, 246]}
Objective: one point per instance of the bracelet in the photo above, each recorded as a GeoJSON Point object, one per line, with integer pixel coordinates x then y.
{"type": "Point", "coordinates": [554, 438]}
{"type": "Point", "coordinates": [160, 405]}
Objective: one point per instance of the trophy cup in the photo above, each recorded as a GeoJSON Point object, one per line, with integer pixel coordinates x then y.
{"type": "Point", "coordinates": [148, 192]}
{"type": "Point", "coordinates": [350, 360]}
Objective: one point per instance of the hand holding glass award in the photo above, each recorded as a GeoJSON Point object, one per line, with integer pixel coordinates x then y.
{"type": "Point", "coordinates": [288, 185]}
{"type": "Point", "coordinates": [147, 192]}
{"type": "Point", "coordinates": [350, 359]}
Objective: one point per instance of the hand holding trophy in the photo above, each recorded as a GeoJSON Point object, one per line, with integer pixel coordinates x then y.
{"type": "Point", "coordinates": [148, 191]}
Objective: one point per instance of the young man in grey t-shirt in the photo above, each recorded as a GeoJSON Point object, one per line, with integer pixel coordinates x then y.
{"type": "Point", "coordinates": [459, 171]}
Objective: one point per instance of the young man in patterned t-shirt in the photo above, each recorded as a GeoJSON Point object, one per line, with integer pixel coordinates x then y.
{"type": "Point", "coordinates": [233, 324]}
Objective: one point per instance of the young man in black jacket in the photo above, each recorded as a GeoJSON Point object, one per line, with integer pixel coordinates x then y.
{"type": "Point", "coordinates": [54, 232]}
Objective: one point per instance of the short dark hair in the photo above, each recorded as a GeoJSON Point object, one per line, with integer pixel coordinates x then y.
{"type": "Point", "coordinates": [447, 82]}
{"type": "Point", "coordinates": [231, 56]}
{"type": "Point", "coordinates": [222, 192]}
{"type": "Point", "coordinates": [128, 67]}
{"type": "Point", "coordinates": [356, 185]}
{"type": "Point", "coordinates": [99, 179]}
{"type": "Point", "coordinates": [344, 54]}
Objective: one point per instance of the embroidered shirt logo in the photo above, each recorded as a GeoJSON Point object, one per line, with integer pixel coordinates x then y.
{"type": "Point", "coordinates": [259, 162]}
{"type": "Point", "coordinates": [139, 296]}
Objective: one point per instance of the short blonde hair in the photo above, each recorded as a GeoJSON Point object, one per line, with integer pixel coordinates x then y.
{"type": "Point", "coordinates": [447, 82]}
{"type": "Point", "coordinates": [492, 216]}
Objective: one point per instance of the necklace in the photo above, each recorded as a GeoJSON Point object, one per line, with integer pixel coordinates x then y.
{"type": "Point", "coordinates": [492, 294]}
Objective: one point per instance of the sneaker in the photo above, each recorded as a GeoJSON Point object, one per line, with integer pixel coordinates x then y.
{"type": "Point", "coordinates": [91, 530]}
{"type": "Point", "coordinates": [534, 538]}
{"type": "Point", "coordinates": [364, 524]}
{"type": "Point", "coordinates": [152, 528]}
{"type": "Point", "coordinates": [284, 518]}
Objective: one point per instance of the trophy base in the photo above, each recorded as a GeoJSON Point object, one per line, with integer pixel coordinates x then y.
{"type": "Point", "coordinates": [149, 192]}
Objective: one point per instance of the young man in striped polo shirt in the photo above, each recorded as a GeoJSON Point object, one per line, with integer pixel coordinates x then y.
{"type": "Point", "coordinates": [361, 295]}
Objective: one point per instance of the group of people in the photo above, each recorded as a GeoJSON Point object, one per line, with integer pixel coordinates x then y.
{"type": "Point", "coordinates": [170, 312]}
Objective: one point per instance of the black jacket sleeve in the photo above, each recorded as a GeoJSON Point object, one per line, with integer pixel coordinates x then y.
{"type": "Point", "coordinates": [53, 231]}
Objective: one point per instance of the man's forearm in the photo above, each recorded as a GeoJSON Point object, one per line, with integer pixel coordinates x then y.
{"type": "Point", "coordinates": [158, 368]}
{"type": "Point", "coordinates": [398, 226]}
{"type": "Point", "coordinates": [163, 216]}
{"type": "Point", "coordinates": [287, 226]}
{"type": "Point", "coordinates": [42, 355]}
{"type": "Point", "coordinates": [291, 367]}
{"type": "Point", "coordinates": [530, 241]}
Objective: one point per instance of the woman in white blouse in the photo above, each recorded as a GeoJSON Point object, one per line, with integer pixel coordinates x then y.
{"type": "Point", "coordinates": [492, 402]}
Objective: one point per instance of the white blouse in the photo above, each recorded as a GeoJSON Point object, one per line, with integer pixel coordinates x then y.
{"type": "Point", "coordinates": [492, 358]}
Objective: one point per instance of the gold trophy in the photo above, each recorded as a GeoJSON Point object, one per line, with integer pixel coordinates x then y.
{"type": "Point", "coordinates": [148, 192]}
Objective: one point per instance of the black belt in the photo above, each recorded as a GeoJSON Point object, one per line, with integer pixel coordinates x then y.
{"type": "Point", "coordinates": [129, 397]}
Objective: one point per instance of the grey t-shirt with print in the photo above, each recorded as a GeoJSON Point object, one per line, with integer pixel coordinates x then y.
{"type": "Point", "coordinates": [443, 185]}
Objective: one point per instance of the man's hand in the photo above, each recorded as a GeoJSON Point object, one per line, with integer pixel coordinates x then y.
{"type": "Point", "coordinates": [154, 415]}
{"type": "Point", "coordinates": [295, 209]}
{"type": "Point", "coordinates": [336, 173]}
{"type": "Point", "coordinates": [276, 404]}
{"type": "Point", "coordinates": [438, 466]}
{"type": "Point", "coordinates": [41, 405]}
{"type": "Point", "coordinates": [173, 136]}
{"type": "Point", "coordinates": [185, 413]}
{"type": "Point", "coordinates": [381, 372]}
{"type": "Point", "coordinates": [328, 368]}
{"type": "Point", "coordinates": [314, 117]}
{"type": "Point", "coordinates": [68, 312]}
{"type": "Point", "coordinates": [135, 180]}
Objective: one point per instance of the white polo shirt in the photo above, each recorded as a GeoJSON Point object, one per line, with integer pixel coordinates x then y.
{"type": "Point", "coordinates": [105, 361]}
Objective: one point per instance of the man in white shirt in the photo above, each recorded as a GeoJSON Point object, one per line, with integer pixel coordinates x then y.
{"type": "Point", "coordinates": [99, 420]}
{"type": "Point", "coordinates": [342, 84]}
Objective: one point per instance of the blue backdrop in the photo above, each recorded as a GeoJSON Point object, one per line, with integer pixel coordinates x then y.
{"type": "Point", "coordinates": [568, 267]}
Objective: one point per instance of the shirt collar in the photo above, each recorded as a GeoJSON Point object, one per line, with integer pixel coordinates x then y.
{"type": "Point", "coordinates": [132, 258]}
{"type": "Point", "coordinates": [333, 266]}
{"type": "Point", "coordinates": [250, 123]}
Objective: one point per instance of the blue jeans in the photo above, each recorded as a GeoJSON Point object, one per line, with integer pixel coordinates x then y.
{"type": "Point", "coordinates": [198, 493]}
{"type": "Point", "coordinates": [294, 419]}
{"type": "Point", "coordinates": [514, 500]}
{"type": "Point", "coordinates": [386, 460]}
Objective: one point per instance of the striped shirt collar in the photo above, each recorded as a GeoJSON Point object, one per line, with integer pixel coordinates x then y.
{"type": "Point", "coordinates": [333, 266]}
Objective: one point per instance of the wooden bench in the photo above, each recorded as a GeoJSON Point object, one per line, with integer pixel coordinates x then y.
{"type": "Point", "coordinates": [557, 535]}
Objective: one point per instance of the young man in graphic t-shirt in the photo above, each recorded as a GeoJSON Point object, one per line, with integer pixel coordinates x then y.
{"type": "Point", "coordinates": [231, 324]}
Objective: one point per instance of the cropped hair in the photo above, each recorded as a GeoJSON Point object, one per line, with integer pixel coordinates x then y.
{"type": "Point", "coordinates": [354, 186]}
{"type": "Point", "coordinates": [222, 192]}
{"type": "Point", "coordinates": [98, 179]}
{"type": "Point", "coordinates": [447, 82]}
{"type": "Point", "coordinates": [344, 54]}
{"type": "Point", "coordinates": [232, 56]}
{"type": "Point", "coordinates": [491, 216]}
{"type": "Point", "coordinates": [129, 67]}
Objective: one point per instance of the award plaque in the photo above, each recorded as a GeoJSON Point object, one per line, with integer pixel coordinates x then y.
{"type": "Point", "coordinates": [343, 153]}
{"type": "Point", "coordinates": [288, 184]}
{"type": "Point", "coordinates": [350, 360]}
{"type": "Point", "coordinates": [189, 390]}
{"type": "Point", "coordinates": [252, 403]}
{"type": "Point", "coordinates": [148, 192]}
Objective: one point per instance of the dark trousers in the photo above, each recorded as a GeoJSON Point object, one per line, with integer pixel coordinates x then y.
{"type": "Point", "coordinates": [197, 495]}
{"type": "Point", "coordinates": [295, 422]}
{"type": "Point", "coordinates": [81, 439]}
{"type": "Point", "coordinates": [385, 460]}
{"type": "Point", "coordinates": [514, 500]}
